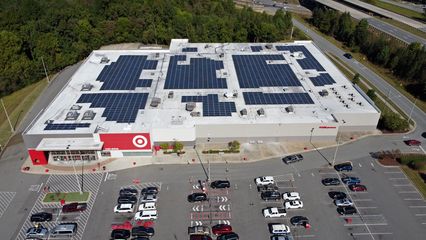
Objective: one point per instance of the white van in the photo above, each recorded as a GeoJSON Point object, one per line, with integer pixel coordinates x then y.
{"type": "Point", "coordinates": [146, 215]}
{"type": "Point", "coordinates": [64, 230]}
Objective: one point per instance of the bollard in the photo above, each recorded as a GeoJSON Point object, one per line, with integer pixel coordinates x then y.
{"type": "Point", "coordinates": [46, 170]}
{"type": "Point", "coordinates": [305, 148]}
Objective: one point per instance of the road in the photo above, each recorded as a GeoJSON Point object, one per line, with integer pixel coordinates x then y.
{"type": "Point", "coordinates": [407, 5]}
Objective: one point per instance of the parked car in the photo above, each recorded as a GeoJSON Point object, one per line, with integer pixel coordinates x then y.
{"type": "Point", "coordinates": [282, 237]}
{"type": "Point", "coordinates": [142, 231]}
{"type": "Point", "coordinates": [343, 167]}
{"type": "Point", "coordinates": [150, 197]}
{"type": "Point", "coordinates": [41, 217]}
{"type": "Point", "coordinates": [413, 142]}
{"type": "Point", "coordinates": [330, 181]}
{"type": "Point", "coordinates": [270, 195]}
{"type": "Point", "coordinates": [140, 238]}
{"type": "Point", "coordinates": [267, 180]}
{"type": "Point", "coordinates": [197, 197]}
{"type": "Point", "coordinates": [347, 55]}
{"type": "Point", "coordinates": [198, 230]}
{"type": "Point", "coordinates": [299, 221]}
{"type": "Point", "coordinates": [228, 236]}
{"type": "Point", "coordinates": [127, 199]}
{"type": "Point", "coordinates": [219, 229]}
{"type": "Point", "coordinates": [128, 192]}
{"type": "Point", "coordinates": [149, 190]}
{"type": "Point", "coordinates": [147, 206]}
{"type": "Point", "coordinates": [351, 180]}
{"type": "Point", "coordinates": [337, 195]}
{"type": "Point", "coordinates": [264, 188]}
{"type": "Point", "coordinates": [74, 207]}
{"type": "Point", "coordinates": [37, 233]}
{"type": "Point", "coordinates": [273, 212]}
{"type": "Point", "coordinates": [357, 188]}
{"type": "Point", "coordinates": [146, 215]}
{"type": "Point", "coordinates": [278, 228]}
{"type": "Point", "coordinates": [64, 230]}
{"type": "Point", "coordinates": [343, 202]}
{"type": "Point", "coordinates": [288, 196]}
{"type": "Point", "coordinates": [220, 184]}
{"type": "Point", "coordinates": [124, 208]}
{"type": "Point", "coordinates": [349, 210]}
{"type": "Point", "coordinates": [120, 234]}
{"type": "Point", "coordinates": [292, 158]}
{"type": "Point", "coordinates": [200, 237]}
{"type": "Point", "coordinates": [293, 204]}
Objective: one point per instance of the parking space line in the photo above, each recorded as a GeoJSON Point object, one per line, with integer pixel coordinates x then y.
{"type": "Point", "coordinates": [362, 224]}
{"type": "Point", "coordinates": [417, 206]}
{"type": "Point", "coordinates": [401, 185]}
{"type": "Point", "coordinates": [367, 207]}
{"type": "Point", "coordinates": [407, 192]}
{"type": "Point", "coordinates": [420, 214]}
{"type": "Point", "coordinates": [398, 178]}
{"type": "Point", "coordinates": [361, 234]}
{"type": "Point", "coordinates": [305, 236]}
{"type": "Point", "coordinates": [413, 199]}
{"type": "Point", "coordinates": [393, 172]}
{"type": "Point", "coordinates": [362, 200]}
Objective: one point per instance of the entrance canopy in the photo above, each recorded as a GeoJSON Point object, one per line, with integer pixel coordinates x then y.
{"type": "Point", "coordinates": [63, 144]}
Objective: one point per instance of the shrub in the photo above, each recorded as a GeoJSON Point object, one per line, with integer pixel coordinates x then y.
{"type": "Point", "coordinates": [164, 146]}
{"type": "Point", "coordinates": [393, 122]}
{"type": "Point", "coordinates": [177, 146]}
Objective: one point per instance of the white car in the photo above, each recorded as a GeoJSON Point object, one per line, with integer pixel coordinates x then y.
{"type": "Point", "coordinates": [274, 212]}
{"type": "Point", "coordinates": [263, 181]}
{"type": "Point", "coordinates": [280, 229]}
{"type": "Point", "coordinates": [293, 204]}
{"type": "Point", "coordinates": [343, 202]}
{"type": "Point", "coordinates": [124, 208]}
{"type": "Point", "coordinates": [289, 196]}
{"type": "Point", "coordinates": [147, 206]}
{"type": "Point", "coordinates": [146, 215]}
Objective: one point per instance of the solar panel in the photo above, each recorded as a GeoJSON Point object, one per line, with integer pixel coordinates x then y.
{"type": "Point", "coordinates": [309, 62]}
{"type": "Point", "coordinates": [66, 126]}
{"type": "Point", "coordinates": [119, 107]}
{"type": "Point", "coordinates": [200, 73]}
{"type": "Point", "coordinates": [322, 79]}
{"type": "Point", "coordinates": [211, 105]}
{"type": "Point", "coordinates": [190, 49]}
{"type": "Point", "coordinates": [256, 48]}
{"type": "Point", "coordinates": [259, 98]}
{"type": "Point", "coordinates": [256, 71]}
{"type": "Point", "coordinates": [125, 72]}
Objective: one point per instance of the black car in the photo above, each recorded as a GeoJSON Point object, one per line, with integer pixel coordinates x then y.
{"type": "Point", "coordinates": [197, 197]}
{"type": "Point", "coordinates": [120, 234]}
{"type": "Point", "coordinates": [128, 192]}
{"type": "Point", "coordinates": [337, 195]}
{"type": "Point", "coordinates": [149, 190]}
{"type": "Point", "coordinates": [140, 238]}
{"type": "Point", "coordinates": [343, 167]}
{"type": "Point", "coordinates": [292, 158]}
{"type": "Point", "coordinates": [142, 231]}
{"type": "Point", "coordinates": [127, 199]}
{"type": "Point", "coordinates": [330, 181]}
{"type": "Point", "coordinates": [41, 217]}
{"type": "Point", "coordinates": [347, 55]}
{"type": "Point", "coordinates": [220, 184]}
{"type": "Point", "coordinates": [270, 195]}
{"type": "Point", "coordinates": [228, 236]}
{"type": "Point", "coordinates": [264, 188]}
{"type": "Point", "coordinates": [299, 221]}
{"type": "Point", "coordinates": [347, 210]}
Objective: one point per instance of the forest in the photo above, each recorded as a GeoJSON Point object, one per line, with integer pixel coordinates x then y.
{"type": "Point", "coordinates": [63, 32]}
{"type": "Point", "coordinates": [408, 63]}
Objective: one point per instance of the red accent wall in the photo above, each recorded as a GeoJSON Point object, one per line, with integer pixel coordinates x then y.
{"type": "Point", "coordinates": [38, 157]}
{"type": "Point", "coordinates": [130, 141]}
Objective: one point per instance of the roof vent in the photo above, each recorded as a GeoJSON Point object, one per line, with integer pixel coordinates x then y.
{"type": "Point", "coordinates": [157, 55]}
{"type": "Point", "coordinates": [195, 114]}
{"type": "Point", "coordinates": [104, 60]}
{"type": "Point", "coordinates": [221, 55]}
{"type": "Point", "coordinates": [344, 86]}
{"type": "Point", "coordinates": [89, 115]}
{"type": "Point", "coordinates": [171, 94]}
{"type": "Point", "coordinates": [346, 106]}
{"type": "Point", "coordinates": [49, 122]}
{"type": "Point", "coordinates": [268, 46]}
{"type": "Point", "coordinates": [75, 107]}
{"type": "Point", "coordinates": [155, 102]}
{"type": "Point", "coordinates": [261, 112]}
{"type": "Point", "coordinates": [72, 115]}
{"type": "Point", "coordinates": [86, 87]}
{"type": "Point", "coordinates": [359, 103]}
{"type": "Point", "coordinates": [243, 112]}
{"type": "Point", "coordinates": [289, 109]}
{"type": "Point", "coordinates": [190, 106]}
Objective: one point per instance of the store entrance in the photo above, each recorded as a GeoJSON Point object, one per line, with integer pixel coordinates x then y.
{"type": "Point", "coordinates": [73, 155]}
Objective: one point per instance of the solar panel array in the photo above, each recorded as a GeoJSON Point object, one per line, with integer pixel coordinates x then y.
{"type": "Point", "coordinates": [256, 48]}
{"type": "Point", "coordinates": [322, 79]}
{"type": "Point", "coordinates": [119, 107]}
{"type": "Point", "coordinates": [199, 74]}
{"type": "Point", "coordinates": [253, 71]}
{"type": "Point", "coordinates": [66, 126]}
{"type": "Point", "coordinates": [211, 105]}
{"type": "Point", "coordinates": [190, 49]}
{"type": "Point", "coordinates": [259, 98]}
{"type": "Point", "coordinates": [125, 72]}
{"type": "Point", "coordinates": [309, 62]}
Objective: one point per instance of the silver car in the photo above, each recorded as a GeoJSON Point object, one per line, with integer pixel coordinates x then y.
{"type": "Point", "coordinates": [345, 202]}
{"type": "Point", "coordinates": [37, 233]}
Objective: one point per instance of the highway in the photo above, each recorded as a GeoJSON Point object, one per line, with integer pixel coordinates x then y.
{"type": "Point", "coordinates": [407, 5]}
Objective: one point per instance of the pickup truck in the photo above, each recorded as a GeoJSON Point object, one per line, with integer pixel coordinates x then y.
{"type": "Point", "coordinates": [274, 212]}
{"type": "Point", "coordinates": [74, 207]}
{"type": "Point", "coordinates": [199, 230]}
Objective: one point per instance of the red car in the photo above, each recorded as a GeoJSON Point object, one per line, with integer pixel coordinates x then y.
{"type": "Point", "coordinates": [357, 188]}
{"type": "Point", "coordinates": [221, 229]}
{"type": "Point", "coordinates": [74, 207]}
{"type": "Point", "coordinates": [413, 142]}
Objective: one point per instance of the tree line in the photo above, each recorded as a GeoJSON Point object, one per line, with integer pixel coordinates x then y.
{"type": "Point", "coordinates": [408, 63]}
{"type": "Point", "coordinates": [62, 32]}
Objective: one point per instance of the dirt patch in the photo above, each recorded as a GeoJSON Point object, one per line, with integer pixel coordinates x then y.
{"type": "Point", "coordinates": [389, 162]}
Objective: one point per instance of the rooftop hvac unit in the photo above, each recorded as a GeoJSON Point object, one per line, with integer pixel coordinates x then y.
{"type": "Point", "coordinates": [190, 106]}
{"type": "Point", "coordinates": [359, 103]}
{"type": "Point", "coordinates": [72, 115]}
{"type": "Point", "coordinates": [344, 86]}
{"type": "Point", "coordinates": [195, 114]}
{"type": "Point", "coordinates": [75, 107]}
{"type": "Point", "coordinates": [88, 115]}
{"type": "Point", "coordinates": [346, 106]}
{"type": "Point", "coordinates": [351, 94]}
{"type": "Point", "coordinates": [243, 112]}
{"type": "Point", "coordinates": [323, 93]}
{"type": "Point", "coordinates": [332, 89]}
{"type": "Point", "coordinates": [221, 55]}
{"type": "Point", "coordinates": [171, 94]}
{"type": "Point", "coordinates": [157, 55]}
{"type": "Point", "coordinates": [104, 60]}
{"type": "Point", "coordinates": [339, 97]}
{"type": "Point", "coordinates": [289, 109]}
{"type": "Point", "coordinates": [49, 122]}
{"type": "Point", "coordinates": [86, 87]}
{"type": "Point", "coordinates": [155, 102]}
{"type": "Point", "coordinates": [261, 112]}
{"type": "Point", "coordinates": [268, 46]}
{"type": "Point", "coordinates": [352, 99]}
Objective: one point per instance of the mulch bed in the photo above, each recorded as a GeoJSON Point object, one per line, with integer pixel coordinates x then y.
{"type": "Point", "coordinates": [388, 162]}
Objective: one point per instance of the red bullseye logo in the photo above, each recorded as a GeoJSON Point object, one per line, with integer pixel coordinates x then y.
{"type": "Point", "coordinates": [140, 141]}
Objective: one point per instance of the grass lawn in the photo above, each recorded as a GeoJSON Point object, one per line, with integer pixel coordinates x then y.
{"type": "Point", "coordinates": [68, 197]}
{"type": "Point", "coordinates": [415, 179]}
{"type": "Point", "coordinates": [400, 10]}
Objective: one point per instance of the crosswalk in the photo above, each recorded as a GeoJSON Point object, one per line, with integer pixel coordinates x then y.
{"type": "Point", "coordinates": [5, 199]}
{"type": "Point", "coordinates": [65, 183]}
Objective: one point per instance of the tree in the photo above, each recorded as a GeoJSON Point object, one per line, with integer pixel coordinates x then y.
{"type": "Point", "coordinates": [394, 122]}
{"type": "Point", "coordinates": [371, 94]}
{"type": "Point", "coordinates": [345, 29]}
{"type": "Point", "coordinates": [356, 78]}
{"type": "Point", "coordinates": [361, 32]}
{"type": "Point", "coordinates": [234, 145]}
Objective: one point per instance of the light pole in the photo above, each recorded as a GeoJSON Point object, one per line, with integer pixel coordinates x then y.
{"type": "Point", "coordinates": [75, 172]}
{"type": "Point", "coordinates": [310, 138]}
{"type": "Point", "coordinates": [411, 111]}
{"type": "Point", "coordinates": [7, 116]}
{"type": "Point", "coordinates": [338, 143]}
{"type": "Point", "coordinates": [208, 162]}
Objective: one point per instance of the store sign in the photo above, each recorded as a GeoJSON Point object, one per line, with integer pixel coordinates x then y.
{"type": "Point", "coordinates": [326, 127]}
{"type": "Point", "coordinates": [121, 141]}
